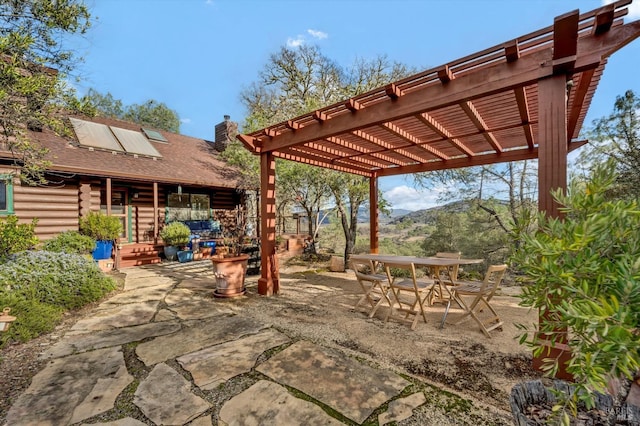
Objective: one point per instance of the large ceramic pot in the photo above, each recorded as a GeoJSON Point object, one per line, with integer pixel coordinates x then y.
{"type": "Point", "coordinates": [103, 250]}
{"type": "Point", "coordinates": [230, 273]}
{"type": "Point", "coordinates": [170, 252]}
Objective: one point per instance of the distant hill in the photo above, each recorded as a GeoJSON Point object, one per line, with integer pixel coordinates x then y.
{"type": "Point", "coordinates": [428, 216]}
{"type": "Point", "coordinates": [363, 215]}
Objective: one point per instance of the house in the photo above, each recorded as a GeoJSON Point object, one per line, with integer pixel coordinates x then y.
{"type": "Point", "coordinates": [143, 176]}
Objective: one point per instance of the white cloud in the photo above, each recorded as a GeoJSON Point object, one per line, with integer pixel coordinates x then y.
{"type": "Point", "coordinates": [634, 9]}
{"type": "Point", "coordinates": [295, 42]}
{"type": "Point", "coordinates": [301, 39]}
{"type": "Point", "coordinates": [320, 35]}
{"type": "Point", "coordinates": [185, 120]}
{"type": "Point", "coordinates": [405, 197]}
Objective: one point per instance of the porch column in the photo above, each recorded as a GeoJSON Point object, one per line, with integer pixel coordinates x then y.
{"type": "Point", "coordinates": [552, 174]}
{"type": "Point", "coordinates": [269, 283]}
{"type": "Point", "coordinates": [155, 213]}
{"type": "Point", "coordinates": [108, 196]}
{"type": "Point", "coordinates": [373, 214]}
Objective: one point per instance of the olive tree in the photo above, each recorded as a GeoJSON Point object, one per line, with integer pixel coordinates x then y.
{"type": "Point", "coordinates": [582, 272]}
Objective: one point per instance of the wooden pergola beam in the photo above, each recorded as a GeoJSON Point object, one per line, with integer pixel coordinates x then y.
{"type": "Point", "coordinates": [497, 78]}
{"type": "Point", "coordinates": [565, 41]}
{"type": "Point", "coordinates": [477, 120]}
{"type": "Point", "coordinates": [478, 160]}
{"type": "Point", "coordinates": [525, 117]}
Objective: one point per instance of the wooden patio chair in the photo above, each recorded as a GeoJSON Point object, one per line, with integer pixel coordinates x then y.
{"type": "Point", "coordinates": [478, 295]}
{"type": "Point", "coordinates": [410, 295]}
{"type": "Point", "coordinates": [374, 286]}
{"type": "Point", "coordinates": [447, 277]}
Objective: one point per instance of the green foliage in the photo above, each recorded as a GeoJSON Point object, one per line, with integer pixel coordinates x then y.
{"type": "Point", "coordinates": [175, 234]}
{"type": "Point", "coordinates": [298, 80]}
{"type": "Point", "coordinates": [583, 273]}
{"type": "Point", "coordinates": [33, 318]}
{"type": "Point", "coordinates": [70, 242]}
{"type": "Point", "coordinates": [151, 113]}
{"type": "Point", "coordinates": [99, 226]}
{"type": "Point", "coordinates": [15, 237]}
{"type": "Point", "coordinates": [34, 66]}
{"type": "Point", "coordinates": [39, 285]}
{"type": "Point", "coordinates": [617, 136]}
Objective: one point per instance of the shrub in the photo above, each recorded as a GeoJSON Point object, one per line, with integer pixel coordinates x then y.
{"type": "Point", "coordinates": [59, 279]}
{"type": "Point", "coordinates": [100, 226]}
{"type": "Point", "coordinates": [40, 285]}
{"type": "Point", "coordinates": [33, 318]}
{"type": "Point", "coordinates": [16, 237]}
{"type": "Point", "coordinates": [175, 234]}
{"type": "Point", "coordinates": [583, 274]}
{"type": "Point", "coordinates": [70, 242]}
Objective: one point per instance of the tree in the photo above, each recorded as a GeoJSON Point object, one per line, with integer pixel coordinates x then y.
{"type": "Point", "coordinates": [298, 80]}
{"type": "Point", "coordinates": [504, 192]}
{"type": "Point", "coordinates": [617, 136]}
{"type": "Point", "coordinates": [33, 67]}
{"type": "Point", "coordinates": [151, 113]}
{"type": "Point", "coordinates": [349, 193]}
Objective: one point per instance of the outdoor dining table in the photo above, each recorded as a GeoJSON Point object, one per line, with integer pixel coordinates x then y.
{"type": "Point", "coordinates": [435, 264]}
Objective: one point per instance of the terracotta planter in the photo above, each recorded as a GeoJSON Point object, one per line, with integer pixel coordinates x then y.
{"type": "Point", "coordinates": [230, 273]}
{"type": "Point", "coordinates": [206, 252]}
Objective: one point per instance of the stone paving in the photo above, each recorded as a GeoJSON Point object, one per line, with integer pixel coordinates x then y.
{"type": "Point", "coordinates": [153, 354]}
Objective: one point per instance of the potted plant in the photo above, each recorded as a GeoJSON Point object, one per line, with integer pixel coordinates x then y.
{"type": "Point", "coordinates": [102, 228]}
{"type": "Point", "coordinates": [583, 273]}
{"type": "Point", "coordinates": [174, 235]}
{"type": "Point", "coordinates": [230, 269]}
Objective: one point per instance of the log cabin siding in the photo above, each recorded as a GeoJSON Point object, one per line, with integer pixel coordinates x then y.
{"type": "Point", "coordinates": [55, 207]}
{"type": "Point", "coordinates": [225, 199]}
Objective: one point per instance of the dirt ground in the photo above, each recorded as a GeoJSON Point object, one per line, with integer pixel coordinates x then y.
{"type": "Point", "coordinates": [458, 358]}
{"type": "Point", "coordinates": [317, 306]}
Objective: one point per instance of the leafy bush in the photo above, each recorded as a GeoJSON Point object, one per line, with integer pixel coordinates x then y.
{"type": "Point", "coordinates": [33, 318]}
{"type": "Point", "coordinates": [583, 274]}
{"type": "Point", "coordinates": [39, 285]}
{"type": "Point", "coordinates": [100, 226]}
{"type": "Point", "coordinates": [175, 234]}
{"type": "Point", "coordinates": [70, 242]}
{"type": "Point", "coordinates": [16, 237]}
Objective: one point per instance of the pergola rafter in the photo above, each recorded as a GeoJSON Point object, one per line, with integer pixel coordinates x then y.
{"type": "Point", "coordinates": [523, 99]}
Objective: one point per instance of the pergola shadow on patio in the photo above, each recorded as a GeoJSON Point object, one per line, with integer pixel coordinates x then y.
{"type": "Point", "coordinates": [523, 99]}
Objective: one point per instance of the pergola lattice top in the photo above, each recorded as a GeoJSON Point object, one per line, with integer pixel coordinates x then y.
{"type": "Point", "coordinates": [480, 109]}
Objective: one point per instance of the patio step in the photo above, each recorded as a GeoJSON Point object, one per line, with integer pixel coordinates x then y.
{"type": "Point", "coordinates": [139, 254]}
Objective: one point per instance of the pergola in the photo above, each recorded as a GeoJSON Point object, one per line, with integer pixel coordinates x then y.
{"type": "Point", "coordinates": [524, 99]}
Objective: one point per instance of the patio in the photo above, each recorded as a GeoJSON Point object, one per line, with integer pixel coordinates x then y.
{"type": "Point", "coordinates": [306, 349]}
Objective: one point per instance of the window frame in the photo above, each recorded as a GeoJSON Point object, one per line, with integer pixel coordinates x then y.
{"type": "Point", "coordinates": [7, 179]}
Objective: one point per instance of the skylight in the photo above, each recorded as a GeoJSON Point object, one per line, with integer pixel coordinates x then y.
{"type": "Point", "coordinates": [154, 135]}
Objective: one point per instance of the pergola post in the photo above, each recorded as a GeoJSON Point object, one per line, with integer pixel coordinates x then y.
{"type": "Point", "coordinates": [552, 174]}
{"type": "Point", "coordinates": [373, 215]}
{"type": "Point", "coordinates": [268, 284]}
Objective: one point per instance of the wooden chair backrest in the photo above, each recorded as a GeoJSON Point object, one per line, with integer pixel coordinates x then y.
{"type": "Point", "coordinates": [492, 280]}
{"type": "Point", "coordinates": [453, 271]}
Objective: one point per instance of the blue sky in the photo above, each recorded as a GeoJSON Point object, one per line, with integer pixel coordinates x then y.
{"type": "Point", "coordinates": [197, 55]}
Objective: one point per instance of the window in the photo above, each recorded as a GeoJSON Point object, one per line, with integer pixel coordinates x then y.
{"type": "Point", "coordinates": [187, 206]}
{"type": "Point", "coordinates": [6, 194]}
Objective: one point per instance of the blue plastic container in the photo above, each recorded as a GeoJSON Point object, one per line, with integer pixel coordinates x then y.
{"type": "Point", "coordinates": [103, 250]}
{"type": "Point", "coordinates": [185, 256]}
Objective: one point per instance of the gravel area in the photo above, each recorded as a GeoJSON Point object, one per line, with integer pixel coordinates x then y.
{"type": "Point", "coordinates": [318, 307]}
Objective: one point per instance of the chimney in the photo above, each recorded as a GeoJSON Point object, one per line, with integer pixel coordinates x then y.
{"type": "Point", "coordinates": [225, 133]}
